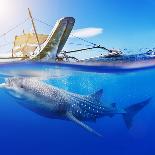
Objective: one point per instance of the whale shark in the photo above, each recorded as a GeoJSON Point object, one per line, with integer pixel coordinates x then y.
{"type": "Point", "coordinates": [52, 102]}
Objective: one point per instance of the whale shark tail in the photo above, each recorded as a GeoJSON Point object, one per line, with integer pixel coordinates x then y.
{"type": "Point", "coordinates": [132, 110]}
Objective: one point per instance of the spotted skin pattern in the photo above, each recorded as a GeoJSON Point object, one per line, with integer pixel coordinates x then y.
{"type": "Point", "coordinates": [49, 101]}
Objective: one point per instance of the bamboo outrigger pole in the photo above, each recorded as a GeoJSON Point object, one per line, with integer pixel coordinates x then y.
{"type": "Point", "coordinates": [34, 28]}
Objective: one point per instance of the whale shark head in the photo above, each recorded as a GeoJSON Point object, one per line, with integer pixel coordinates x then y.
{"type": "Point", "coordinates": [14, 86]}
{"type": "Point", "coordinates": [12, 83]}
{"type": "Point", "coordinates": [19, 87]}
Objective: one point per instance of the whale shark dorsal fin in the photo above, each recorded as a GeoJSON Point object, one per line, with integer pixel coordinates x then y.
{"type": "Point", "coordinates": [96, 96]}
{"type": "Point", "coordinates": [86, 127]}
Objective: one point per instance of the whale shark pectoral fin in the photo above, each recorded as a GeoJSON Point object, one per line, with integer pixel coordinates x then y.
{"type": "Point", "coordinates": [74, 119]}
{"type": "Point", "coordinates": [15, 95]}
{"type": "Point", "coordinates": [96, 96]}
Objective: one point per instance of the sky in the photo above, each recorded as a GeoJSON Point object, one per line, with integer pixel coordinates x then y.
{"type": "Point", "coordinates": [111, 23]}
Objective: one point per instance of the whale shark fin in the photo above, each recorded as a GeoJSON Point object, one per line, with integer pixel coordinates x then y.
{"type": "Point", "coordinates": [132, 110]}
{"type": "Point", "coordinates": [96, 96]}
{"type": "Point", "coordinates": [86, 127]}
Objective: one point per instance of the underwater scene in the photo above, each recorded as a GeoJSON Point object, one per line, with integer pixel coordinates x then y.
{"type": "Point", "coordinates": [124, 125]}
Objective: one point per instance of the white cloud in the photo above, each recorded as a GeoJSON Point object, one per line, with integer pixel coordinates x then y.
{"type": "Point", "coordinates": [86, 32]}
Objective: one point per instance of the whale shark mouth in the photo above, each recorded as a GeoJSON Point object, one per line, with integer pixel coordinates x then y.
{"type": "Point", "coordinates": [2, 85]}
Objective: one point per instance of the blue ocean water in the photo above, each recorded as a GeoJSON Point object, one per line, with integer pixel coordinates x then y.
{"type": "Point", "coordinates": [25, 132]}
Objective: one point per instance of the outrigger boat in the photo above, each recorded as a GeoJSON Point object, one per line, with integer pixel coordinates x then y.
{"type": "Point", "coordinates": [41, 47]}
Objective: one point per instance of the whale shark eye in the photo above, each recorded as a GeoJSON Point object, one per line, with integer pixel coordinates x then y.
{"type": "Point", "coordinates": [21, 86]}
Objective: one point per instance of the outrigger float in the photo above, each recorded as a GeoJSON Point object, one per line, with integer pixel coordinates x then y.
{"type": "Point", "coordinates": [41, 47]}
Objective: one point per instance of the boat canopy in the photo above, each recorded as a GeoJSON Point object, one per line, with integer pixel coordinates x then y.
{"type": "Point", "coordinates": [29, 38]}
{"type": "Point", "coordinates": [27, 43]}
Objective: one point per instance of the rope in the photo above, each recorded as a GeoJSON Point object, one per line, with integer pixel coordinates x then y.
{"type": "Point", "coordinates": [71, 43]}
{"type": "Point", "coordinates": [84, 40]}
{"type": "Point", "coordinates": [13, 28]}
{"type": "Point", "coordinates": [84, 49]}
{"type": "Point", "coordinates": [42, 22]}
{"type": "Point", "coordinates": [4, 34]}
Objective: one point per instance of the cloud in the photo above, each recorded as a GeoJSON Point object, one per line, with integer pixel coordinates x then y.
{"type": "Point", "coordinates": [86, 32]}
